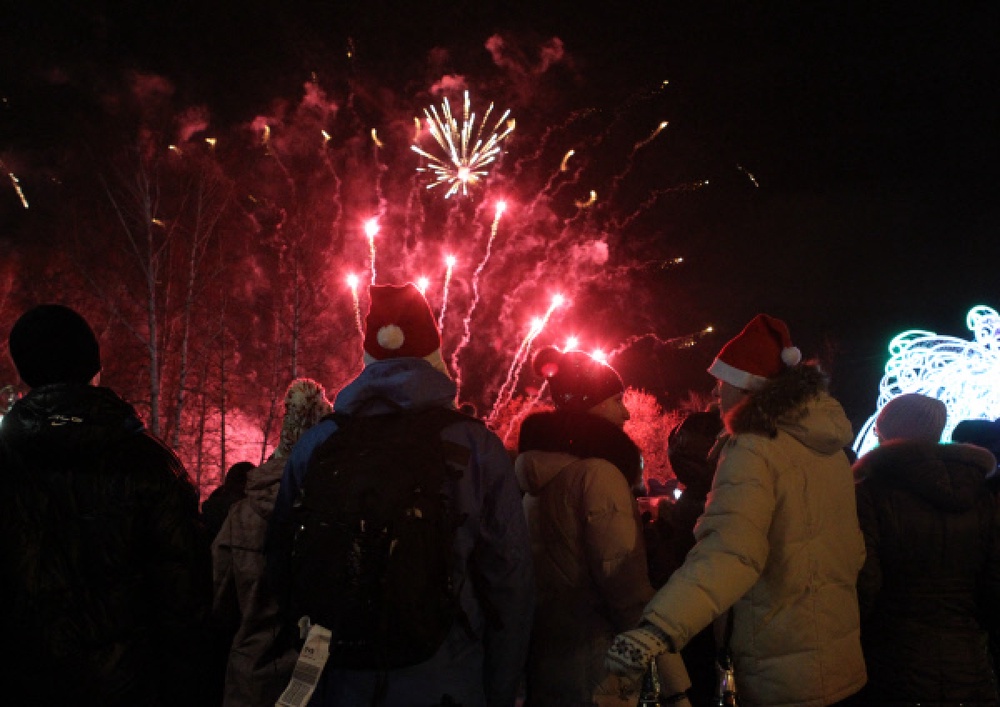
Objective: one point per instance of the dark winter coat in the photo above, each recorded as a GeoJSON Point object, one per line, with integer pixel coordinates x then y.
{"type": "Point", "coordinates": [930, 587]}
{"type": "Point", "coordinates": [104, 565]}
{"type": "Point", "coordinates": [577, 470]}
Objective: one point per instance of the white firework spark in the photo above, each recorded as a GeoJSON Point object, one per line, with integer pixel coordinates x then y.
{"type": "Point", "coordinates": [467, 150]}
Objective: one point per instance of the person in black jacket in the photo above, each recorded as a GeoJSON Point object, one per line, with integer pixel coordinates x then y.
{"type": "Point", "coordinates": [104, 565]}
{"type": "Point", "coordinates": [930, 587]}
{"type": "Point", "coordinates": [689, 449]}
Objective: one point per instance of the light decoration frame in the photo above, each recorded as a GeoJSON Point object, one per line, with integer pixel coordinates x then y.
{"type": "Point", "coordinates": [964, 375]}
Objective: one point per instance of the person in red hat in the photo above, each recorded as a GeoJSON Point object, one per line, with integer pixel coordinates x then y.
{"type": "Point", "coordinates": [482, 658]}
{"type": "Point", "coordinates": [779, 547]}
{"type": "Point", "coordinates": [578, 467]}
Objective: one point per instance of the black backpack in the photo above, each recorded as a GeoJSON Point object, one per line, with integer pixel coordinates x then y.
{"type": "Point", "coordinates": [372, 554]}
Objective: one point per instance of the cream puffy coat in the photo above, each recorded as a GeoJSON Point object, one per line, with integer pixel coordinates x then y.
{"type": "Point", "coordinates": [780, 543]}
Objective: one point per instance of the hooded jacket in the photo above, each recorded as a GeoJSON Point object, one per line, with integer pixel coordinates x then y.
{"type": "Point", "coordinates": [590, 563]}
{"type": "Point", "coordinates": [105, 567]}
{"type": "Point", "coordinates": [477, 669]}
{"type": "Point", "coordinates": [779, 542]}
{"type": "Point", "coordinates": [930, 587]}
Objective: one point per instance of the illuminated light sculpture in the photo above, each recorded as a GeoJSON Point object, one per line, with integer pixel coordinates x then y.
{"type": "Point", "coordinates": [468, 150]}
{"type": "Point", "coordinates": [964, 375]}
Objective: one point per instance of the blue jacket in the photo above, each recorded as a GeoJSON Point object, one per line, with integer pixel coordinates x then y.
{"type": "Point", "coordinates": [474, 672]}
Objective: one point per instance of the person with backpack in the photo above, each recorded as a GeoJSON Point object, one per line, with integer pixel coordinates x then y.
{"type": "Point", "coordinates": [398, 535]}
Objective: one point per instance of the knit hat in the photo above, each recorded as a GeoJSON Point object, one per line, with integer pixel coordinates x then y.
{"type": "Point", "coordinates": [51, 343]}
{"type": "Point", "coordinates": [305, 404]}
{"type": "Point", "coordinates": [758, 353]}
{"type": "Point", "coordinates": [400, 324]}
{"type": "Point", "coordinates": [913, 417]}
{"type": "Point", "coordinates": [578, 381]}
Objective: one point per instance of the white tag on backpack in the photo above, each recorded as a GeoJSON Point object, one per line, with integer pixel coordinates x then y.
{"type": "Point", "coordinates": [308, 668]}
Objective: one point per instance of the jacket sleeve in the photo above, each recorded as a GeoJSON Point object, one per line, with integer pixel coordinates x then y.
{"type": "Point", "coordinates": [731, 550]}
{"type": "Point", "coordinates": [294, 474]}
{"type": "Point", "coordinates": [870, 577]}
{"type": "Point", "coordinates": [504, 576]}
{"type": "Point", "coordinates": [279, 537]}
{"type": "Point", "coordinates": [178, 570]}
{"type": "Point", "coordinates": [225, 604]}
{"type": "Point", "coordinates": [615, 551]}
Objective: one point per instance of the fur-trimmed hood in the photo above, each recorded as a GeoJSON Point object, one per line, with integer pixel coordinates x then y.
{"type": "Point", "coordinates": [796, 402]}
{"type": "Point", "coordinates": [583, 436]}
{"type": "Point", "coordinates": [951, 477]}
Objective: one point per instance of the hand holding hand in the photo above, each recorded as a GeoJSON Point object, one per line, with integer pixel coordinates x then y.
{"type": "Point", "coordinates": [631, 651]}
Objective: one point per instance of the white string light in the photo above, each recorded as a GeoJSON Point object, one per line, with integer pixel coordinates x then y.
{"type": "Point", "coordinates": [964, 375]}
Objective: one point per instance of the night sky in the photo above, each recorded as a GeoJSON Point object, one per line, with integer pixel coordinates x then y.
{"type": "Point", "coordinates": [870, 128]}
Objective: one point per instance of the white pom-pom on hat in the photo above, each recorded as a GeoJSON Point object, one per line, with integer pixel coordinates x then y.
{"type": "Point", "coordinates": [400, 324]}
{"type": "Point", "coordinates": [791, 356]}
{"type": "Point", "coordinates": [757, 354]}
{"type": "Point", "coordinates": [390, 337]}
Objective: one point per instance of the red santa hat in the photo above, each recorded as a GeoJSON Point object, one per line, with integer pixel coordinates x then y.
{"type": "Point", "coordinates": [757, 354]}
{"type": "Point", "coordinates": [400, 324]}
{"type": "Point", "coordinates": [577, 380]}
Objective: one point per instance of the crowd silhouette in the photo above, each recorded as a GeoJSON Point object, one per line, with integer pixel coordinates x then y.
{"type": "Point", "coordinates": [391, 550]}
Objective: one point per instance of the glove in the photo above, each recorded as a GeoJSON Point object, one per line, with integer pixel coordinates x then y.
{"type": "Point", "coordinates": [632, 651]}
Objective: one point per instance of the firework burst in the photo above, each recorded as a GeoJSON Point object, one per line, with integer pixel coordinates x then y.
{"type": "Point", "coordinates": [467, 150]}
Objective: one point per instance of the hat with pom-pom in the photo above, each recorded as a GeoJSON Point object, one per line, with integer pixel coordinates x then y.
{"type": "Point", "coordinates": [757, 354]}
{"type": "Point", "coordinates": [578, 381]}
{"type": "Point", "coordinates": [400, 324]}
